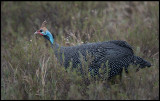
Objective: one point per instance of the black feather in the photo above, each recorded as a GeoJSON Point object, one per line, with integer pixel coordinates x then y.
{"type": "Point", "coordinates": [119, 55]}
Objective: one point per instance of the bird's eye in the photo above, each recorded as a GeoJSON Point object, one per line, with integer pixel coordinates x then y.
{"type": "Point", "coordinates": [41, 30]}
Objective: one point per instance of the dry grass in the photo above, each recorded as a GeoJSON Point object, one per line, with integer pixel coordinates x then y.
{"type": "Point", "coordinates": [29, 69]}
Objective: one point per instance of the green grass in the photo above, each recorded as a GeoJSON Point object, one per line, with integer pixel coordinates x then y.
{"type": "Point", "coordinates": [29, 69]}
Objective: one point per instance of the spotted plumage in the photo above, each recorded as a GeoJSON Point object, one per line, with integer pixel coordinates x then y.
{"type": "Point", "coordinates": [119, 55]}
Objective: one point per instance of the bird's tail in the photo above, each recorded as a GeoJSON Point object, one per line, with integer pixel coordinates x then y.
{"type": "Point", "coordinates": [141, 62]}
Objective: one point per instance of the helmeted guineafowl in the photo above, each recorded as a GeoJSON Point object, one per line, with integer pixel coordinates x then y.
{"type": "Point", "coordinates": [119, 54]}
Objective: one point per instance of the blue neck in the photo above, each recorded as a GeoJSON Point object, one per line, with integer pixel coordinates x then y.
{"type": "Point", "coordinates": [49, 37]}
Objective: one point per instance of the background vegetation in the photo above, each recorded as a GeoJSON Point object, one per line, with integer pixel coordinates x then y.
{"type": "Point", "coordinates": [29, 69]}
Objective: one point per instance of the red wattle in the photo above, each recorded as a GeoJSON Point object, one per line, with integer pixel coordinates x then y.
{"type": "Point", "coordinates": [40, 33]}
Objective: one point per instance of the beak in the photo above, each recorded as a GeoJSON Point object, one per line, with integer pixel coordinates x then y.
{"type": "Point", "coordinates": [36, 32]}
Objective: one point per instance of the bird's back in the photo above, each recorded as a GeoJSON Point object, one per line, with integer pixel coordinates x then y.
{"type": "Point", "coordinates": [110, 49]}
{"type": "Point", "coordinates": [101, 52]}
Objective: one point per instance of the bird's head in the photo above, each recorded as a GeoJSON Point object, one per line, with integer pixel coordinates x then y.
{"type": "Point", "coordinates": [44, 32]}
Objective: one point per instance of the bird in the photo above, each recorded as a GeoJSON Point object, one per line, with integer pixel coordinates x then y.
{"type": "Point", "coordinates": [118, 53]}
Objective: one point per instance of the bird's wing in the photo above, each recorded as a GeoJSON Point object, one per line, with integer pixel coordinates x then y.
{"type": "Point", "coordinates": [123, 44]}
